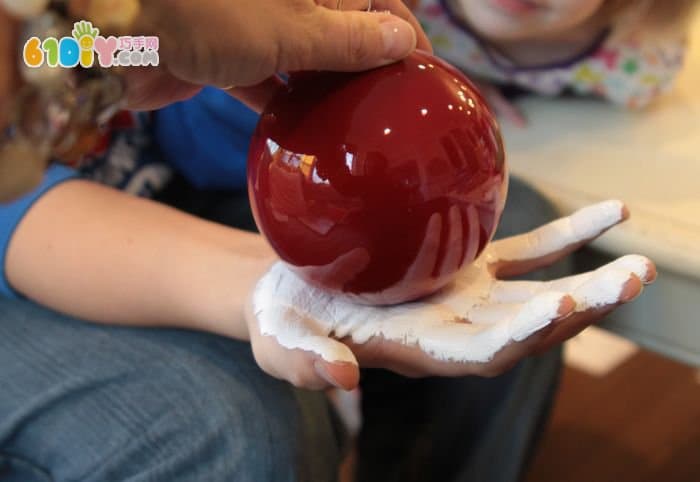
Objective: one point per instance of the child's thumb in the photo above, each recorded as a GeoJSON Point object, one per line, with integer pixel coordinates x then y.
{"type": "Point", "coordinates": [286, 349]}
{"type": "Point", "coordinates": [352, 41]}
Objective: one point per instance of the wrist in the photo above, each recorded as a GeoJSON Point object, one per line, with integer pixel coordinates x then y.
{"type": "Point", "coordinates": [216, 302]}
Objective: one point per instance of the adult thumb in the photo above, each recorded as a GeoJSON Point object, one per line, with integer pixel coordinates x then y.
{"type": "Point", "coordinates": [353, 41]}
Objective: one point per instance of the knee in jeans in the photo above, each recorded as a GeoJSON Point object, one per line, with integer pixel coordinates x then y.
{"type": "Point", "coordinates": [193, 421]}
{"type": "Point", "coordinates": [253, 416]}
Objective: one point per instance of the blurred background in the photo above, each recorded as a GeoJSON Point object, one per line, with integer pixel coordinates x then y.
{"type": "Point", "coordinates": [629, 405]}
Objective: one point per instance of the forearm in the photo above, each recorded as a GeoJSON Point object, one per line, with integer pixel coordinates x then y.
{"type": "Point", "coordinates": [104, 256]}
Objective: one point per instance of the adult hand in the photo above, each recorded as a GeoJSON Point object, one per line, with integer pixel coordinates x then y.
{"type": "Point", "coordinates": [480, 325]}
{"type": "Point", "coordinates": [243, 46]}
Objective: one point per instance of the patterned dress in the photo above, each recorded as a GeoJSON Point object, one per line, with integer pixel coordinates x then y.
{"type": "Point", "coordinates": [627, 68]}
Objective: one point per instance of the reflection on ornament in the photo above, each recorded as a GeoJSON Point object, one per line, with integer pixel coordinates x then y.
{"type": "Point", "coordinates": [379, 185]}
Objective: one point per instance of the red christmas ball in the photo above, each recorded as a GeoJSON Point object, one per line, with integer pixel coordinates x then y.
{"type": "Point", "coordinates": [379, 185]}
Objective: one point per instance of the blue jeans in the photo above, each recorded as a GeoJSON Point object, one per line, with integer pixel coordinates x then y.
{"type": "Point", "coordinates": [84, 402]}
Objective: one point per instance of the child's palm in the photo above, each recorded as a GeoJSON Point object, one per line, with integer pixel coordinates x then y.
{"type": "Point", "coordinates": [478, 325]}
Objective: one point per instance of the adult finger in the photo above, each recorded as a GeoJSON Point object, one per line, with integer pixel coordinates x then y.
{"type": "Point", "coordinates": [348, 41]}
{"type": "Point", "coordinates": [257, 96]}
{"type": "Point", "coordinates": [150, 89]}
{"type": "Point", "coordinates": [397, 7]}
{"type": "Point", "coordinates": [400, 9]}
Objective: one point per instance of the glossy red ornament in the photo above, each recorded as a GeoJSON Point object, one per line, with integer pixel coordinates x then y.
{"type": "Point", "coordinates": [379, 185]}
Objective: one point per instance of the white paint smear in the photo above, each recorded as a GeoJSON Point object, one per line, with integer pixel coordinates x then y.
{"type": "Point", "coordinates": [301, 316]}
{"type": "Point", "coordinates": [584, 224]}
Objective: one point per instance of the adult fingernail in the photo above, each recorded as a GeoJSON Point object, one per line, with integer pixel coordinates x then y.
{"type": "Point", "coordinates": [398, 36]}
{"type": "Point", "coordinates": [321, 371]}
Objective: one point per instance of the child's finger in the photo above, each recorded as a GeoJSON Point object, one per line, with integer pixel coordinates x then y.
{"type": "Point", "coordinates": [549, 243]}
{"type": "Point", "coordinates": [505, 108]}
{"type": "Point", "coordinates": [303, 369]}
{"type": "Point", "coordinates": [500, 105]}
{"type": "Point", "coordinates": [290, 347]}
{"type": "Point", "coordinates": [579, 321]}
{"type": "Point", "coordinates": [510, 112]}
{"type": "Point", "coordinates": [521, 291]}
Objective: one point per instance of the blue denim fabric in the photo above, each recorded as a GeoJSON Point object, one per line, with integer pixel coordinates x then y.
{"type": "Point", "coordinates": [91, 403]}
{"type": "Point", "coordinates": [82, 402]}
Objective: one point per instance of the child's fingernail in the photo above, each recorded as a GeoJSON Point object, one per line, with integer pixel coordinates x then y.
{"type": "Point", "coordinates": [399, 38]}
{"type": "Point", "coordinates": [321, 371]}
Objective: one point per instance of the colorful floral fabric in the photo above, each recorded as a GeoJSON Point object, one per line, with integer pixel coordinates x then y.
{"type": "Point", "coordinates": [626, 68]}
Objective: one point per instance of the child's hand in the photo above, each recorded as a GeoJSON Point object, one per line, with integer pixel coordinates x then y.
{"type": "Point", "coordinates": [502, 107]}
{"type": "Point", "coordinates": [480, 325]}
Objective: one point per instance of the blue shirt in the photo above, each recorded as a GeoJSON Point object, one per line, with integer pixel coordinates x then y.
{"type": "Point", "coordinates": [205, 139]}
